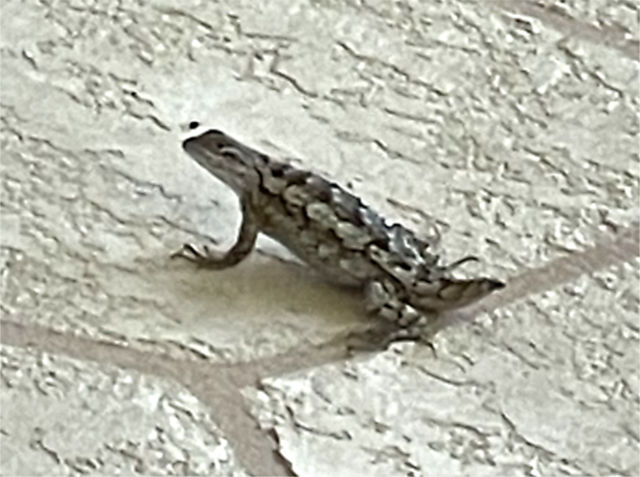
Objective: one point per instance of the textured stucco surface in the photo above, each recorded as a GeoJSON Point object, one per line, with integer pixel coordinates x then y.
{"type": "Point", "coordinates": [559, 398]}
{"type": "Point", "coordinates": [511, 126]}
{"type": "Point", "coordinates": [90, 418]}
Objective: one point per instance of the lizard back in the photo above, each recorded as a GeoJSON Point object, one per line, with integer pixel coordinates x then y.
{"type": "Point", "coordinates": [332, 229]}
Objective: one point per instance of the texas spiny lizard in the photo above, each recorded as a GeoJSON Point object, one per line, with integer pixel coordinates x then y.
{"type": "Point", "coordinates": [334, 232]}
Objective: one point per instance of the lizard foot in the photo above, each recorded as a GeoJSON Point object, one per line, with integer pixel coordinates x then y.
{"type": "Point", "coordinates": [190, 253]}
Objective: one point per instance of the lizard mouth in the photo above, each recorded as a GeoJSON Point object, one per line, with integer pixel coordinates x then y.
{"type": "Point", "coordinates": [189, 144]}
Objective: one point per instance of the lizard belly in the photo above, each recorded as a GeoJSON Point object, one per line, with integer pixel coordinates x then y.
{"type": "Point", "coordinates": [321, 224]}
{"type": "Point", "coordinates": [323, 252]}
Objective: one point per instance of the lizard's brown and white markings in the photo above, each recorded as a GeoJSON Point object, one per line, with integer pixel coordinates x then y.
{"type": "Point", "coordinates": [334, 232]}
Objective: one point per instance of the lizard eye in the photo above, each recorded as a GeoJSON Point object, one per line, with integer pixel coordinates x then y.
{"type": "Point", "coordinates": [228, 152]}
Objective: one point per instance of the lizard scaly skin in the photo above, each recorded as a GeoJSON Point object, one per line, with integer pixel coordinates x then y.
{"type": "Point", "coordinates": [332, 231]}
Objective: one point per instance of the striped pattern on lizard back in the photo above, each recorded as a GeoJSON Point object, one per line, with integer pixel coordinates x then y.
{"type": "Point", "coordinates": [333, 230]}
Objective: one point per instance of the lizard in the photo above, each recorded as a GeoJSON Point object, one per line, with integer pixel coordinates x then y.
{"type": "Point", "coordinates": [334, 232]}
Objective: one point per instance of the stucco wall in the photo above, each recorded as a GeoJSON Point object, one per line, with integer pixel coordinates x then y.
{"type": "Point", "coordinates": [511, 126]}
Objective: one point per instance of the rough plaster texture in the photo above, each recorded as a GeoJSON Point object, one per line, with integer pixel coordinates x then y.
{"type": "Point", "coordinates": [511, 126]}
{"type": "Point", "coordinates": [94, 418]}
{"type": "Point", "coordinates": [558, 399]}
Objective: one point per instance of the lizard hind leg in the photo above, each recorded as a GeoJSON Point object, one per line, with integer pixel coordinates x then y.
{"type": "Point", "coordinates": [463, 260]}
{"type": "Point", "coordinates": [384, 298]}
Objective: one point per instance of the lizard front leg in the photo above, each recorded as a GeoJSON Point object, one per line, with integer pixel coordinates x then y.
{"type": "Point", "coordinates": [239, 251]}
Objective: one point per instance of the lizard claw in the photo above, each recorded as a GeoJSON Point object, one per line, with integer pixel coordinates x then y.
{"type": "Point", "coordinates": [207, 258]}
{"type": "Point", "coordinates": [190, 253]}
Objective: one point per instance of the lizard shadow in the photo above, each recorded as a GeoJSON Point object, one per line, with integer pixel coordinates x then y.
{"type": "Point", "coordinates": [262, 294]}
{"type": "Point", "coordinates": [265, 294]}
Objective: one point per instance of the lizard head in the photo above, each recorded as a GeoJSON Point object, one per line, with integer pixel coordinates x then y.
{"type": "Point", "coordinates": [224, 157]}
